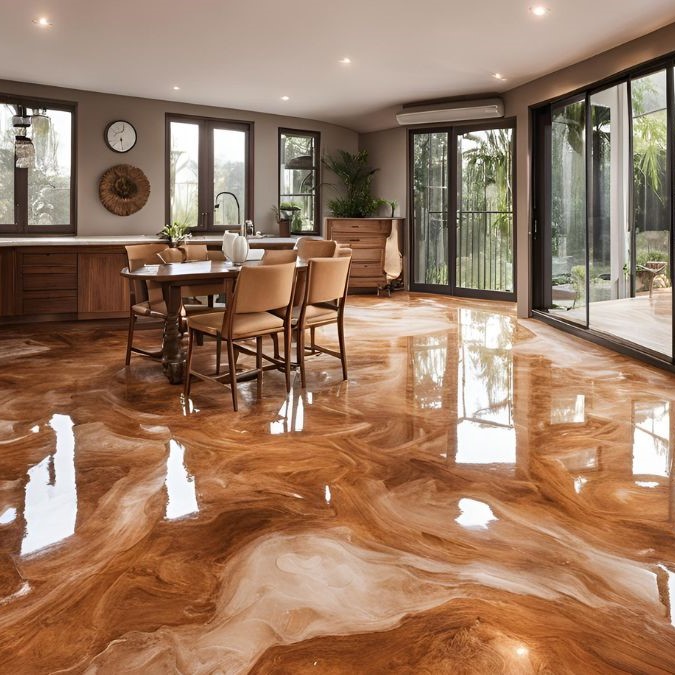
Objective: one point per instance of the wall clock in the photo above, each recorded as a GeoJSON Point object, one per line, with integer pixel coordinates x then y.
{"type": "Point", "coordinates": [120, 136]}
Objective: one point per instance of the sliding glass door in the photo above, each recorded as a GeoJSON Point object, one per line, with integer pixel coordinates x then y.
{"type": "Point", "coordinates": [462, 211]}
{"type": "Point", "coordinates": [606, 184]}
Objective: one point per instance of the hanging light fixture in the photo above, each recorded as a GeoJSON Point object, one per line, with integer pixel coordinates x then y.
{"type": "Point", "coordinates": [24, 150]}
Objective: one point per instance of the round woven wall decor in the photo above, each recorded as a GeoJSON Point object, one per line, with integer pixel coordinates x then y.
{"type": "Point", "coordinates": [124, 189]}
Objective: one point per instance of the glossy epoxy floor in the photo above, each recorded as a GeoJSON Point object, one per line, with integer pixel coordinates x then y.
{"type": "Point", "coordinates": [482, 496]}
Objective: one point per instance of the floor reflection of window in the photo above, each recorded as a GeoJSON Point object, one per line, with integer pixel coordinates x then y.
{"type": "Point", "coordinates": [485, 430]}
{"type": "Point", "coordinates": [651, 439]}
{"type": "Point", "coordinates": [291, 416]}
{"type": "Point", "coordinates": [50, 510]}
{"type": "Point", "coordinates": [180, 485]}
{"type": "Point", "coordinates": [568, 409]}
{"type": "Point", "coordinates": [430, 361]}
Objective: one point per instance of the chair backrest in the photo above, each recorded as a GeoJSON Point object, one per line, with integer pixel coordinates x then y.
{"type": "Point", "coordinates": [344, 252]}
{"type": "Point", "coordinates": [326, 279]}
{"type": "Point", "coordinates": [171, 255]}
{"type": "Point", "coordinates": [262, 288]}
{"type": "Point", "coordinates": [274, 257]}
{"type": "Point", "coordinates": [316, 248]}
{"type": "Point", "coordinates": [195, 252]}
{"type": "Point", "coordinates": [140, 291]}
{"type": "Point", "coordinates": [141, 254]}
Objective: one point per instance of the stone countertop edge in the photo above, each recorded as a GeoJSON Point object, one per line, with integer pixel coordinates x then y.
{"type": "Point", "coordinates": [117, 239]}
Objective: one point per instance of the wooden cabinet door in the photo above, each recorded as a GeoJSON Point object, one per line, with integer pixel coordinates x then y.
{"type": "Point", "coordinates": [102, 291]}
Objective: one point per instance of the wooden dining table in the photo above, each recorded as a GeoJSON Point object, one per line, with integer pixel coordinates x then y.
{"type": "Point", "coordinates": [172, 277]}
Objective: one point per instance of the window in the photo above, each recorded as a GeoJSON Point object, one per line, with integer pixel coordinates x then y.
{"type": "Point", "coordinates": [462, 210]}
{"type": "Point", "coordinates": [39, 199]}
{"type": "Point", "coordinates": [208, 172]}
{"type": "Point", "coordinates": [299, 179]}
{"type": "Point", "coordinates": [603, 211]}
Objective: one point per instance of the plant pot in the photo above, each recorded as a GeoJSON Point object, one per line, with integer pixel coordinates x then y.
{"type": "Point", "coordinates": [284, 228]}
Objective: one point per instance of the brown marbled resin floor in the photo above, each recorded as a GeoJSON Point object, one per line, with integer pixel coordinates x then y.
{"type": "Point", "coordinates": [482, 496]}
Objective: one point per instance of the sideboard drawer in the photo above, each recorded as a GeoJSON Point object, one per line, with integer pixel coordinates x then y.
{"type": "Point", "coordinates": [366, 269]}
{"type": "Point", "coordinates": [49, 302]}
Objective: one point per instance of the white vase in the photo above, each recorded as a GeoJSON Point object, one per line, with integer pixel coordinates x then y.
{"type": "Point", "coordinates": [239, 249]}
{"type": "Point", "coordinates": [228, 241]}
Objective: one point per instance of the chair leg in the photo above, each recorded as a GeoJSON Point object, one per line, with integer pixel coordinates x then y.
{"type": "Point", "coordinates": [301, 355]}
{"type": "Point", "coordinates": [275, 343]}
{"type": "Point", "coordinates": [188, 365]}
{"type": "Point", "coordinates": [130, 336]}
{"type": "Point", "coordinates": [232, 363]}
{"type": "Point", "coordinates": [341, 341]}
{"type": "Point", "coordinates": [312, 339]}
{"type": "Point", "coordinates": [258, 364]}
{"type": "Point", "coordinates": [287, 357]}
{"type": "Point", "coordinates": [219, 345]}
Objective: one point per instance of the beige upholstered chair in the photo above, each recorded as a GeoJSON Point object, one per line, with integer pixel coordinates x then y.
{"type": "Point", "coordinates": [315, 248]}
{"type": "Point", "coordinates": [145, 298]}
{"type": "Point", "coordinates": [272, 257]}
{"type": "Point", "coordinates": [323, 304]}
{"type": "Point", "coordinates": [259, 290]}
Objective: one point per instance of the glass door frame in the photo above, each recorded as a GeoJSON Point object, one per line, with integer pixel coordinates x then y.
{"type": "Point", "coordinates": [540, 120]}
{"type": "Point", "coordinates": [453, 168]}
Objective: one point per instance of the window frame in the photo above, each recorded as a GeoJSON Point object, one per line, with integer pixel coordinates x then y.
{"type": "Point", "coordinates": [316, 135]}
{"type": "Point", "coordinates": [20, 225]}
{"type": "Point", "coordinates": [205, 192]}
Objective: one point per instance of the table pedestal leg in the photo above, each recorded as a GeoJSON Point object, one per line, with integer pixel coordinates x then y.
{"type": "Point", "coordinates": [173, 355]}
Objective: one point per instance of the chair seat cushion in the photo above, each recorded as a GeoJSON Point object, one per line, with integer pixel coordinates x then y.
{"type": "Point", "coordinates": [245, 325]}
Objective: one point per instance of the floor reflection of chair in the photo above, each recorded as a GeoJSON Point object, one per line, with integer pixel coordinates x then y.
{"type": "Point", "coordinates": [323, 304]}
{"type": "Point", "coordinates": [259, 291]}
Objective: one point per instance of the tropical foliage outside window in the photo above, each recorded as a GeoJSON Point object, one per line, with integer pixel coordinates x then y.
{"type": "Point", "coordinates": [37, 199]}
{"type": "Point", "coordinates": [609, 197]}
{"type": "Point", "coordinates": [483, 225]}
{"type": "Point", "coordinates": [299, 178]}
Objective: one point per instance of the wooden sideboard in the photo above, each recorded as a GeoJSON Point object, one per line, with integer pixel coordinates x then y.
{"type": "Point", "coordinates": [41, 283]}
{"type": "Point", "coordinates": [377, 249]}
{"type": "Point", "coordinates": [67, 281]}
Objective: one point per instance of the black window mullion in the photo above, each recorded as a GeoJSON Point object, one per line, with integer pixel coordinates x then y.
{"type": "Point", "coordinates": [21, 199]}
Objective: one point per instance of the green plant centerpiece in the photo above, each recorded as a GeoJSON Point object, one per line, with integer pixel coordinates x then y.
{"type": "Point", "coordinates": [176, 234]}
{"type": "Point", "coordinates": [356, 177]}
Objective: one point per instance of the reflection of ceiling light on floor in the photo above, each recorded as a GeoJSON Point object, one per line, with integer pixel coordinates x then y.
{"type": "Point", "coordinates": [522, 651]}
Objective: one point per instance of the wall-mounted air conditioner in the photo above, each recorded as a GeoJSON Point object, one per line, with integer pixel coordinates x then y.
{"type": "Point", "coordinates": [454, 111]}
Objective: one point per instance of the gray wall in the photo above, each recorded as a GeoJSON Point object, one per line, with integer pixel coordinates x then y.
{"type": "Point", "coordinates": [95, 110]}
{"type": "Point", "coordinates": [390, 146]}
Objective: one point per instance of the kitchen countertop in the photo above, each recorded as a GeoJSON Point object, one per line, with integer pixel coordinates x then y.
{"type": "Point", "coordinates": [122, 240]}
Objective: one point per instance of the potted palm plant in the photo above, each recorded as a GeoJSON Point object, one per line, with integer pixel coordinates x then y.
{"type": "Point", "coordinates": [356, 176]}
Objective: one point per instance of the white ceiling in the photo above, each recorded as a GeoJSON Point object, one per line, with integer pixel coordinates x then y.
{"type": "Point", "coordinates": [247, 55]}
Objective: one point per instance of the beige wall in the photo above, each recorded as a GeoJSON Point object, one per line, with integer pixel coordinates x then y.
{"type": "Point", "coordinates": [389, 147]}
{"type": "Point", "coordinates": [385, 150]}
{"type": "Point", "coordinates": [95, 110]}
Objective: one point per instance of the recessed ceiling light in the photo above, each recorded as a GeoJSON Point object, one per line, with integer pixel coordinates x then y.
{"type": "Point", "coordinates": [499, 76]}
{"type": "Point", "coordinates": [345, 60]}
{"type": "Point", "coordinates": [43, 22]}
{"type": "Point", "coordinates": [176, 87]}
{"type": "Point", "coordinates": [540, 10]}
{"type": "Point", "coordinates": [285, 98]}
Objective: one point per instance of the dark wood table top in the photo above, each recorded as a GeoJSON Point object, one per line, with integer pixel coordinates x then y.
{"type": "Point", "coordinates": [199, 270]}
{"type": "Point", "coordinates": [191, 271]}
